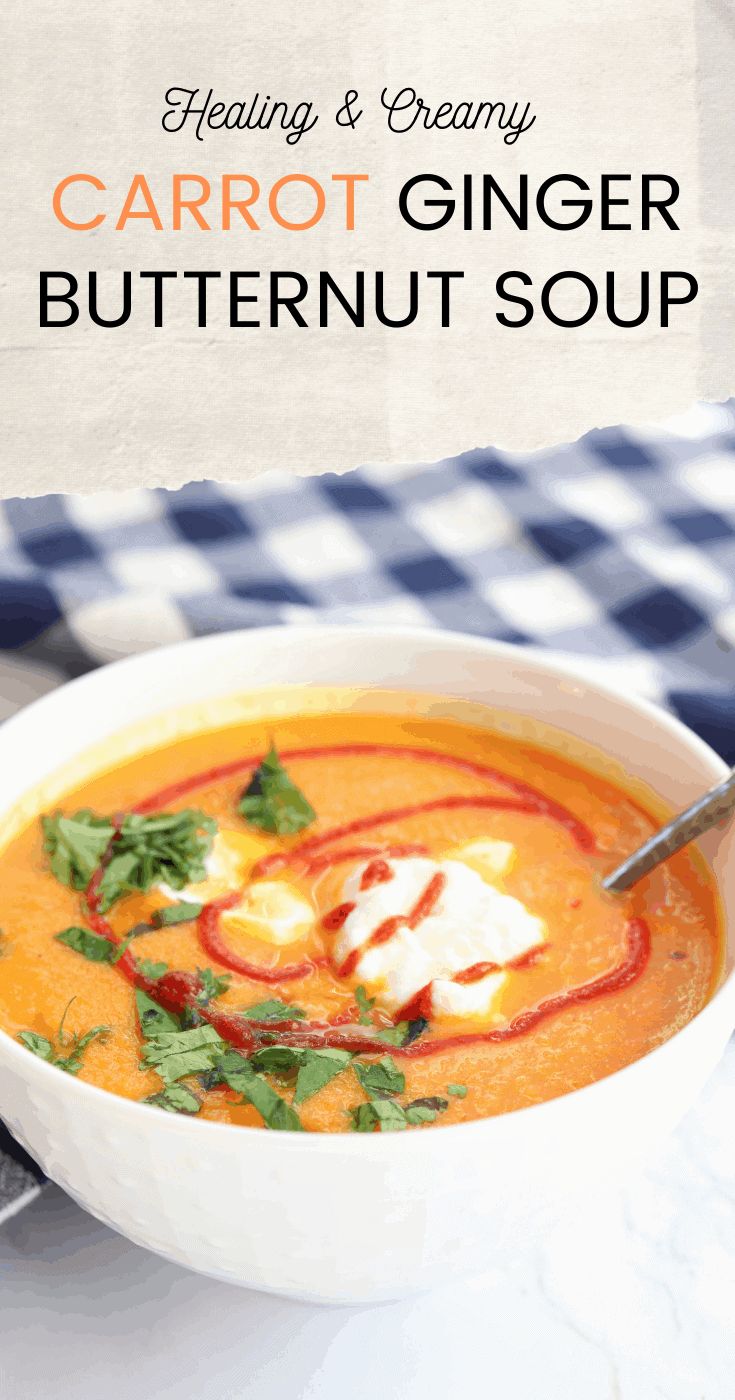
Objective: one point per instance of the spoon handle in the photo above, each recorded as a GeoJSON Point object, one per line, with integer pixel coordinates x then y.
{"type": "Point", "coordinates": [706, 812]}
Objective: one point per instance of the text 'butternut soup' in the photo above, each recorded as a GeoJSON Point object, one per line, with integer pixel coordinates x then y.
{"type": "Point", "coordinates": [347, 922]}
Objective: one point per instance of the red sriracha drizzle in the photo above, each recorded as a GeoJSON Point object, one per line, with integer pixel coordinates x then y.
{"type": "Point", "coordinates": [389, 927]}
{"type": "Point", "coordinates": [378, 872]}
{"type": "Point", "coordinates": [338, 916]}
{"type": "Point", "coordinates": [628, 970]}
{"type": "Point", "coordinates": [279, 859]}
{"type": "Point", "coordinates": [210, 937]}
{"type": "Point", "coordinates": [420, 1004]}
{"type": "Point", "coordinates": [545, 806]}
{"type": "Point", "coordinates": [179, 990]}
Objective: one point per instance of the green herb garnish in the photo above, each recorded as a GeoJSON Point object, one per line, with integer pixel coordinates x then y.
{"type": "Point", "coordinates": [189, 1018]}
{"type": "Point", "coordinates": [382, 1079]}
{"type": "Point", "coordinates": [319, 1067]}
{"type": "Point", "coordinates": [425, 1110]}
{"type": "Point", "coordinates": [53, 1052]}
{"type": "Point", "coordinates": [122, 947]}
{"type": "Point", "coordinates": [405, 1032]}
{"type": "Point", "coordinates": [210, 1079]}
{"type": "Point", "coordinates": [38, 1044]}
{"type": "Point", "coordinates": [212, 986]}
{"type": "Point", "coordinates": [174, 1054]}
{"type": "Point", "coordinates": [239, 1075]}
{"type": "Point", "coordinates": [315, 1067]}
{"type": "Point", "coordinates": [152, 970]}
{"type": "Point", "coordinates": [153, 1019]}
{"type": "Point", "coordinates": [272, 802]}
{"type": "Point", "coordinates": [89, 944]}
{"type": "Point", "coordinates": [393, 1035]}
{"type": "Point", "coordinates": [181, 913]}
{"type": "Point", "coordinates": [176, 1098]}
{"type": "Point", "coordinates": [278, 1059]}
{"type": "Point", "coordinates": [93, 946]}
{"type": "Point", "coordinates": [76, 845]}
{"type": "Point", "coordinates": [273, 1010]}
{"type": "Point", "coordinates": [365, 1005]}
{"type": "Point", "coordinates": [459, 1091]}
{"type": "Point", "coordinates": [382, 1114]}
{"type": "Point", "coordinates": [389, 1116]}
{"type": "Point", "coordinates": [415, 1029]}
{"type": "Point", "coordinates": [167, 847]}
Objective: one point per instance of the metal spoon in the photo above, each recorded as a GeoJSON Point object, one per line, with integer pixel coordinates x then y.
{"type": "Point", "coordinates": [706, 812]}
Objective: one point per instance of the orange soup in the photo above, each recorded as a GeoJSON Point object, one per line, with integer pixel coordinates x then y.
{"type": "Point", "coordinates": [347, 921]}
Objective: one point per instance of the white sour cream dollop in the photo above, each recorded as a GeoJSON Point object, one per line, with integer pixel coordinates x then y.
{"type": "Point", "coordinates": [471, 922]}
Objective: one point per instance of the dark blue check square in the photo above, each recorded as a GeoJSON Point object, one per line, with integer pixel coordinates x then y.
{"type": "Point", "coordinates": [660, 618]}
{"type": "Point", "coordinates": [209, 522]}
{"type": "Point", "coordinates": [564, 540]}
{"type": "Point", "coordinates": [702, 526]}
{"type": "Point", "coordinates": [427, 575]}
{"type": "Point", "coordinates": [28, 608]}
{"type": "Point", "coordinates": [353, 496]}
{"type": "Point", "coordinates": [621, 451]}
{"type": "Point", "coordinates": [51, 549]}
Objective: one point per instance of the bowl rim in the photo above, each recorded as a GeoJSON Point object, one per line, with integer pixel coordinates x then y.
{"type": "Point", "coordinates": [389, 1143]}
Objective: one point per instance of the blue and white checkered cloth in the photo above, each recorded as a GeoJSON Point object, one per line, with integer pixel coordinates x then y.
{"type": "Point", "coordinates": [618, 550]}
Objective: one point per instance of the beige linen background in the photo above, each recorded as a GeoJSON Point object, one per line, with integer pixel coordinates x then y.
{"type": "Point", "coordinates": [615, 85]}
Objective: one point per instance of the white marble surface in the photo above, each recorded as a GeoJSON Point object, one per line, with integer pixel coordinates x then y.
{"type": "Point", "coordinates": [635, 1300]}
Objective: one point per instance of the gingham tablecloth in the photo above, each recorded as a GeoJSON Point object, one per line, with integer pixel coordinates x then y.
{"type": "Point", "coordinates": [618, 549]}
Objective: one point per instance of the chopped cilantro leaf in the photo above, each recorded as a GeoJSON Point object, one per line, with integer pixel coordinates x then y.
{"type": "Point", "coordinates": [394, 1035]}
{"type": "Point", "coordinates": [152, 1017]}
{"type": "Point", "coordinates": [273, 1010]}
{"type": "Point", "coordinates": [239, 1075]}
{"type": "Point", "coordinates": [278, 1059]}
{"type": "Point", "coordinates": [153, 970]}
{"type": "Point", "coordinates": [405, 1032]}
{"type": "Point", "coordinates": [315, 1067]}
{"type": "Point", "coordinates": [272, 802]}
{"type": "Point", "coordinates": [318, 1068]}
{"type": "Point", "coordinates": [417, 1113]}
{"type": "Point", "coordinates": [73, 1063]}
{"type": "Point", "coordinates": [210, 1079]}
{"type": "Point", "coordinates": [425, 1110]}
{"type": "Point", "coordinates": [93, 946]}
{"type": "Point", "coordinates": [176, 1054]}
{"type": "Point", "coordinates": [181, 913]}
{"type": "Point", "coordinates": [382, 1114]}
{"type": "Point", "coordinates": [121, 948]}
{"type": "Point", "coordinates": [432, 1102]}
{"type": "Point", "coordinates": [168, 847]}
{"type": "Point", "coordinates": [365, 1005]}
{"type": "Point", "coordinates": [176, 1098]}
{"type": "Point", "coordinates": [89, 944]}
{"type": "Point", "coordinates": [415, 1029]}
{"type": "Point", "coordinates": [75, 1044]}
{"type": "Point", "coordinates": [459, 1091]}
{"type": "Point", "coordinates": [389, 1116]}
{"type": "Point", "coordinates": [382, 1079]}
{"type": "Point", "coordinates": [75, 845]}
{"type": "Point", "coordinates": [212, 986]}
{"type": "Point", "coordinates": [38, 1044]}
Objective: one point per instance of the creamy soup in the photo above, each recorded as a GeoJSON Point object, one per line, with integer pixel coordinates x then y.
{"type": "Point", "coordinates": [347, 921]}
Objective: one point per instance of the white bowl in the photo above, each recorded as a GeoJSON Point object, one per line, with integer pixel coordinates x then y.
{"type": "Point", "coordinates": [356, 1217]}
